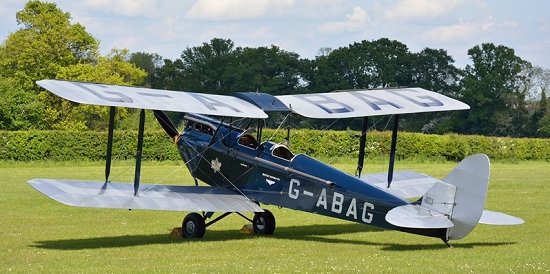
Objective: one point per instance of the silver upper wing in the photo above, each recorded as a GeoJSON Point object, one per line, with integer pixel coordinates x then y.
{"type": "Point", "coordinates": [361, 103]}
{"type": "Point", "coordinates": [145, 98]}
{"type": "Point", "coordinates": [152, 197]}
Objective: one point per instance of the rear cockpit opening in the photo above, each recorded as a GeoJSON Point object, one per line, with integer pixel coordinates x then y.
{"type": "Point", "coordinates": [282, 151]}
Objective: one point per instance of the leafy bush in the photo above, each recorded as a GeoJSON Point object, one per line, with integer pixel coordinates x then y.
{"type": "Point", "coordinates": [90, 145]}
{"type": "Point", "coordinates": [68, 145]}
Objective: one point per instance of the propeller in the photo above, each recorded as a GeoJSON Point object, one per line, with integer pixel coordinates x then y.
{"type": "Point", "coordinates": [166, 124]}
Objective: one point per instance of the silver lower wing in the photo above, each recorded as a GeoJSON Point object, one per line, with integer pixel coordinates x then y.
{"type": "Point", "coordinates": [405, 184]}
{"type": "Point", "coordinates": [152, 197]}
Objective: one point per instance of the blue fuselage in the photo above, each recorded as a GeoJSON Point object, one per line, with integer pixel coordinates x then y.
{"type": "Point", "coordinates": [221, 155]}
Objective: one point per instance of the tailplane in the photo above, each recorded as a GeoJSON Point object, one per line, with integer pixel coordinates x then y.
{"type": "Point", "coordinates": [459, 198]}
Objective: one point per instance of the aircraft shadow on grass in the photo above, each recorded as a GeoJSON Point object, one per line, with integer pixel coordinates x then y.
{"type": "Point", "coordinates": [313, 233]}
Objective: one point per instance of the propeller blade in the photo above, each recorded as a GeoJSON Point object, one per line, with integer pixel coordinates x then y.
{"type": "Point", "coordinates": [166, 124]}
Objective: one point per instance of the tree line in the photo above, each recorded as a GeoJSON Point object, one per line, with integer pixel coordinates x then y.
{"type": "Point", "coordinates": [507, 95]}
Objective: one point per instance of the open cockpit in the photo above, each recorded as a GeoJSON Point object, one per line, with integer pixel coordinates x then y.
{"type": "Point", "coordinates": [207, 129]}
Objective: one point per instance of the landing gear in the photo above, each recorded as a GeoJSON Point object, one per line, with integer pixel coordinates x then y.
{"type": "Point", "coordinates": [447, 242]}
{"type": "Point", "coordinates": [193, 226]}
{"type": "Point", "coordinates": [263, 223]}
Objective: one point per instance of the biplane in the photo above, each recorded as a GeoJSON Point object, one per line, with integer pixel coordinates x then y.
{"type": "Point", "coordinates": [243, 172]}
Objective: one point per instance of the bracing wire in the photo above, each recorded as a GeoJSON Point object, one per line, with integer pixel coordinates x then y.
{"type": "Point", "coordinates": [201, 155]}
{"type": "Point", "coordinates": [279, 127]}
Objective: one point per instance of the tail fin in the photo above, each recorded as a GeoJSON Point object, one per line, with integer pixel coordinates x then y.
{"type": "Point", "coordinates": [471, 179]}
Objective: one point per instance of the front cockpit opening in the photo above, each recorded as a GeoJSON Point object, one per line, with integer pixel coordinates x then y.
{"type": "Point", "coordinates": [200, 127]}
{"type": "Point", "coordinates": [248, 140]}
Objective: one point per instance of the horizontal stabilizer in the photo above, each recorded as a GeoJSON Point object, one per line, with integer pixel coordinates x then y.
{"type": "Point", "coordinates": [152, 197]}
{"type": "Point", "coordinates": [499, 218]}
{"type": "Point", "coordinates": [416, 216]}
{"type": "Point", "coordinates": [406, 184]}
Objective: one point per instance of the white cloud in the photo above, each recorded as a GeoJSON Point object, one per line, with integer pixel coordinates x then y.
{"type": "Point", "coordinates": [217, 10]}
{"type": "Point", "coordinates": [8, 24]}
{"type": "Point", "coordinates": [458, 32]}
{"type": "Point", "coordinates": [128, 42]}
{"type": "Point", "coordinates": [465, 31]}
{"type": "Point", "coordinates": [412, 9]}
{"type": "Point", "coordinates": [132, 8]}
{"type": "Point", "coordinates": [9, 7]}
{"type": "Point", "coordinates": [3, 9]}
{"type": "Point", "coordinates": [355, 21]}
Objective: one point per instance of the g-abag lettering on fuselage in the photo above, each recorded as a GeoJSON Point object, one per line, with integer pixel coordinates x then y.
{"type": "Point", "coordinates": [339, 204]}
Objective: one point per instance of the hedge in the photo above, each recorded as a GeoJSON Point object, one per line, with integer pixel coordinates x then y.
{"type": "Point", "coordinates": [65, 145]}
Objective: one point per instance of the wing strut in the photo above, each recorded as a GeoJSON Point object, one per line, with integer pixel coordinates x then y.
{"type": "Point", "coordinates": [260, 129]}
{"type": "Point", "coordinates": [139, 151]}
{"type": "Point", "coordinates": [393, 147]}
{"type": "Point", "coordinates": [362, 144]}
{"type": "Point", "coordinates": [110, 143]}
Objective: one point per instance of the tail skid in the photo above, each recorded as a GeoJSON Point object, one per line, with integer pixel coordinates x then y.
{"type": "Point", "coordinates": [459, 197]}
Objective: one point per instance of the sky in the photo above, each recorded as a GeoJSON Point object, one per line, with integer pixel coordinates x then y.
{"type": "Point", "coordinates": [168, 27]}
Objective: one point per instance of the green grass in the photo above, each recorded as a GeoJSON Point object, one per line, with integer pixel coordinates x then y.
{"type": "Point", "coordinates": [40, 235]}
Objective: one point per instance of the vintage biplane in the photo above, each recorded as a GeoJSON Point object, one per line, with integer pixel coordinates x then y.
{"type": "Point", "coordinates": [243, 172]}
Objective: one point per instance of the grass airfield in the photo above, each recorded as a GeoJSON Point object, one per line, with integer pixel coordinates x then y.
{"type": "Point", "coordinates": [38, 234]}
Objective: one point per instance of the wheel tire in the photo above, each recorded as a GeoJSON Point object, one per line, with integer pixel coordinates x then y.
{"type": "Point", "coordinates": [193, 226]}
{"type": "Point", "coordinates": [263, 223]}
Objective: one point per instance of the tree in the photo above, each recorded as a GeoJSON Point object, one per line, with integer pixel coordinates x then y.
{"type": "Point", "coordinates": [169, 76]}
{"type": "Point", "coordinates": [541, 117]}
{"type": "Point", "coordinates": [49, 46]}
{"type": "Point", "coordinates": [112, 69]}
{"type": "Point", "coordinates": [369, 64]}
{"type": "Point", "coordinates": [433, 70]}
{"type": "Point", "coordinates": [491, 86]}
{"type": "Point", "coordinates": [265, 69]}
{"type": "Point", "coordinates": [46, 41]}
{"type": "Point", "coordinates": [331, 72]}
{"type": "Point", "coordinates": [219, 67]}
{"type": "Point", "coordinates": [206, 67]}
{"type": "Point", "coordinates": [544, 126]}
{"type": "Point", "coordinates": [147, 62]}
{"type": "Point", "coordinates": [365, 65]}
{"type": "Point", "coordinates": [536, 85]}
{"type": "Point", "coordinates": [19, 109]}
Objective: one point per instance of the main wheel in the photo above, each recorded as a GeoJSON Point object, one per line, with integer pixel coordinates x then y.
{"type": "Point", "coordinates": [263, 223]}
{"type": "Point", "coordinates": [193, 226]}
